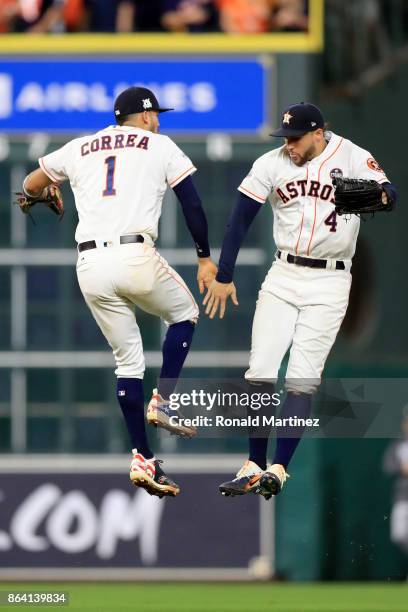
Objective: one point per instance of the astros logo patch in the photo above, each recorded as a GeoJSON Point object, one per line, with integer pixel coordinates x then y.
{"type": "Point", "coordinates": [374, 165]}
{"type": "Point", "coordinates": [336, 173]}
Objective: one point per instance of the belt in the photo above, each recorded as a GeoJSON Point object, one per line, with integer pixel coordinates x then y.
{"type": "Point", "coordinates": [91, 244]}
{"type": "Point", "coordinates": [310, 263]}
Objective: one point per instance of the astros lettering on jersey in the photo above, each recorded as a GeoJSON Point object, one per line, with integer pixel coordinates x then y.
{"type": "Point", "coordinates": [305, 222]}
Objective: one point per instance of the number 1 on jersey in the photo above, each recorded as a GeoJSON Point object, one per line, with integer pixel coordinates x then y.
{"type": "Point", "coordinates": [110, 175]}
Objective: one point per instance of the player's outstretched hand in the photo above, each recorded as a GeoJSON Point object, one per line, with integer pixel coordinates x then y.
{"type": "Point", "coordinates": [217, 296]}
{"type": "Point", "coordinates": [206, 273]}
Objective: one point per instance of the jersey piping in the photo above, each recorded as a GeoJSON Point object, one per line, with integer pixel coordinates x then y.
{"type": "Point", "coordinates": [303, 216]}
{"type": "Point", "coordinates": [177, 180]}
{"type": "Point", "coordinates": [252, 195]}
{"type": "Point", "coordinates": [315, 203]}
{"type": "Point", "coordinates": [47, 172]}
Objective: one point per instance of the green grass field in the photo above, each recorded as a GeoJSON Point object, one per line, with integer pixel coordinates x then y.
{"type": "Point", "coordinates": [186, 597]}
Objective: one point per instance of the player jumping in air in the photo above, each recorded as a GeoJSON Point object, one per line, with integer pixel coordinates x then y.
{"type": "Point", "coordinates": [119, 176]}
{"type": "Point", "coordinates": [304, 297]}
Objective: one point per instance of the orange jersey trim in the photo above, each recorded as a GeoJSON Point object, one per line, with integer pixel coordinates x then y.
{"type": "Point", "coordinates": [47, 172]}
{"type": "Point", "coordinates": [185, 173]}
{"type": "Point", "coordinates": [253, 195]}
{"type": "Point", "coordinates": [318, 178]}
{"type": "Point", "coordinates": [303, 216]}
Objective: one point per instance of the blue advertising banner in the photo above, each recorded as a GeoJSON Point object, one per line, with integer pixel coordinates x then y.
{"type": "Point", "coordinates": [97, 520]}
{"type": "Point", "coordinates": [77, 95]}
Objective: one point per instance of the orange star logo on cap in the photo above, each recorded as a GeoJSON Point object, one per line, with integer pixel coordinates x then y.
{"type": "Point", "coordinates": [287, 117]}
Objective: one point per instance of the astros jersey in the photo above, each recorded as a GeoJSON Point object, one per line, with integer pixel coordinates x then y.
{"type": "Point", "coordinates": [118, 176]}
{"type": "Point", "coordinates": [305, 221]}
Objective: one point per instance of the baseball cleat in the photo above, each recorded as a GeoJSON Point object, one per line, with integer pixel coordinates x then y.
{"type": "Point", "coordinates": [148, 474]}
{"type": "Point", "coordinates": [272, 480]}
{"type": "Point", "coordinates": [159, 413]}
{"type": "Point", "coordinates": [246, 480]}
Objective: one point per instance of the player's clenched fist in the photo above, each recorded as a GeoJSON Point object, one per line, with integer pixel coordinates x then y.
{"type": "Point", "coordinates": [217, 296]}
{"type": "Point", "coordinates": [206, 273]}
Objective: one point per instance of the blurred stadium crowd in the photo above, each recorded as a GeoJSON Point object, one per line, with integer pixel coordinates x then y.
{"type": "Point", "coordinates": [239, 16]}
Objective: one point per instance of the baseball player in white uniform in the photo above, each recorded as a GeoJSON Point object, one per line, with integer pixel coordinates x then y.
{"type": "Point", "coordinates": [305, 294]}
{"type": "Point", "coordinates": [119, 176]}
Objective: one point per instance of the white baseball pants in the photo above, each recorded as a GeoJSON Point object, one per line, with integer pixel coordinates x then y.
{"type": "Point", "coordinates": [301, 308]}
{"type": "Point", "coordinates": [114, 280]}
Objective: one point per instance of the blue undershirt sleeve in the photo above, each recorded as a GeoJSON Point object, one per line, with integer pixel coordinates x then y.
{"type": "Point", "coordinates": [194, 215]}
{"type": "Point", "coordinates": [242, 215]}
{"type": "Point", "coordinates": [391, 192]}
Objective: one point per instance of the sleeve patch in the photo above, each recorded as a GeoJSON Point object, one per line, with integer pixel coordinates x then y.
{"type": "Point", "coordinates": [374, 165]}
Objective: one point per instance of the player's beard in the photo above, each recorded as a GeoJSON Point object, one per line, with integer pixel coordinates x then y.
{"type": "Point", "coordinates": [309, 154]}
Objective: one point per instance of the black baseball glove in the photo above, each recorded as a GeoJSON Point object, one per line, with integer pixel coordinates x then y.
{"type": "Point", "coordinates": [51, 196]}
{"type": "Point", "coordinates": [358, 196]}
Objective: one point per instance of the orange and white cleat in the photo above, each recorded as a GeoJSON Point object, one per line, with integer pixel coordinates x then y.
{"type": "Point", "coordinates": [160, 414]}
{"type": "Point", "coordinates": [148, 474]}
{"type": "Point", "coordinates": [245, 481]}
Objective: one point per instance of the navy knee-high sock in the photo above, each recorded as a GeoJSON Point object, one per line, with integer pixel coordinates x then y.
{"type": "Point", "coordinates": [175, 350]}
{"type": "Point", "coordinates": [131, 399]}
{"type": "Point", "coordinates": [259, 437]}
{"type": "Point", "coordinates": [286, 444]}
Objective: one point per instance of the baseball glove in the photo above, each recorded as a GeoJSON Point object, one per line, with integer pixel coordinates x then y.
{"type": "Point", "coordinates": [359, 196]}
{"type": "Point", "coordinates": [51, 196]}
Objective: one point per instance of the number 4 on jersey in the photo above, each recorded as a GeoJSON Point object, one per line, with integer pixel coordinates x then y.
{"type": "Point", "coordinates": [110, 175]}
{"type": "Point", "coordinates": [331, 221]}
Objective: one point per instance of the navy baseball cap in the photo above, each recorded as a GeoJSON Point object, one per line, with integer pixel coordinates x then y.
{"type": "Point", "coordinates": [137, 100]}
{"type": "Point", "coordinates": [298, 119]}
